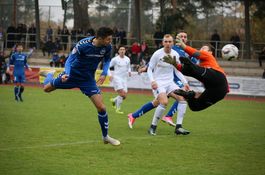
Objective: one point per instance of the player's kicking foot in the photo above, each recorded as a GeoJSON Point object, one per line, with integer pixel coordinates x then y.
{"type": "Point", "coordinates": [44, 73]}
{"type": "Point", "coordinates": [111, 141]}
{"type": "Point", "coordinates": [186, 94]}
{"type": "Point", "coordinates": [112, 102]}
{"type": "Point", "coordinates": [168, 120]}
{"type": "Point", "coordinates": [131, 120]}
{"type": "Point", "coordinates": [181, 131]}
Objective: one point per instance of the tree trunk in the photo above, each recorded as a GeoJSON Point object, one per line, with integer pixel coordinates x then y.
{"type": "Point", "coordinates": [162, 11]}
{"type": "Point", "coordinates": [81, 18]}
{"type": "Point", "coordinates": [247, 30]}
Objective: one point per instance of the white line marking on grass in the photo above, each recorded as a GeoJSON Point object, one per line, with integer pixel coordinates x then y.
{"type": "Point", "coordinates": [55, 145]}
{"type": "Point", "coordinates": [49, 145]}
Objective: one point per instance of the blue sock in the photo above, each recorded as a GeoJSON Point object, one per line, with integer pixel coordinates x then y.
{"type": "Point", "coordinates": [173, 109]}
{"type": "Point", "coordinates": [16, 92]}
{"type": "Point", "coordinates": [104, 123]}
{"type": "Point", "coordinates": [48, 78]}
{"type": "Point", "coordinates": [144, 109]}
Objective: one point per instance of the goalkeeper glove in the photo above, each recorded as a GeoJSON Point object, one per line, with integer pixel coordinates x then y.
{"type": "Point", "coordinates": [180, 43]}
{"type": "Point", "coordinates": [170, 60]}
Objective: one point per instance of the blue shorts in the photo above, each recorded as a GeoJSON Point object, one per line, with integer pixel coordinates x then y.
{"type": "Point", "coordinates": [19, 78]}
{"type": "Point", "coordinates": [88, 88]}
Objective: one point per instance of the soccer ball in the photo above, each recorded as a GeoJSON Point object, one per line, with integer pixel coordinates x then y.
{"type": "Point", "coordinates": [229, 52]}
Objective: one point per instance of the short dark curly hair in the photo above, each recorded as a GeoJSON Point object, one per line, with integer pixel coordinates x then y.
{"type": "Point", "coordinates": [104, 32]}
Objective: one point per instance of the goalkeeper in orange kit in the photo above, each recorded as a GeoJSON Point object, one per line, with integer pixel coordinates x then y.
{"type": "Point", "coordinates": [208, 72]}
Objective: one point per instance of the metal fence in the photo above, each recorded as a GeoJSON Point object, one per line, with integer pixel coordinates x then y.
{"type": "Point", "coordinates": [29, 41]}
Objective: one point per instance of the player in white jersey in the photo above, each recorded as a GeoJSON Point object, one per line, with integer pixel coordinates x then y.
{"type": "Point", "coordinates": [162, 82]}
{"type": "Point", "coordinates": [122, 69]}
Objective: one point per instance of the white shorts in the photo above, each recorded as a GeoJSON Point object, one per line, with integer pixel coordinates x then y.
{"type": "Point", "coordinates": [168, 88]}
{"type": "Point", "coordinates": [119, 84]}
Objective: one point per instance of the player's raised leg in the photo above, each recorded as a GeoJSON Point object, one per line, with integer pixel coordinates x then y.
{"type": "Point", "coordinates": [48, 74]}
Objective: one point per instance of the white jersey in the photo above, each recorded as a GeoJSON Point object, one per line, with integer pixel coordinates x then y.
{"type": "Point", "coordinates": [161, 72]}
{"type": "Point", "coordinates": [121, 66]}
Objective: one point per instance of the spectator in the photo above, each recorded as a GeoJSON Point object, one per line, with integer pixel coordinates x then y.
{"type": "Point", "coordinates": [59, 31]}
{"type": "Point", "coordinates": [144, 50]}
{"type": "Point", "coordinates": [261, 56]}
{"type": "Point", "coordinates": [65, 35]}
{"type": "Point", "coordinates": [49, 33]}
{"type": "Point", "coordinates": [158, 35]}
{"type": "Point", "coordinates": [235, 39]}
{"type": "Point", "coordinates": [11, 30]}
{"type": "Point", "coordinates": [62, 60]}
{"type": "Point", "coordinates": [55, 60]}
{"type": "Point", "coordinates": [19, 31]}
{"type": "Point", "coordinates": [49, 47]}
{"type": "Point", "coordinates": [90, 32]}
{"type": "Point", "coordinates": [32, 36]}
{"type": "Point", "coordinates": [3, 76]}
{"type": "Point", "coordinates": [1, 39]}
{"type": "Point", "coordinates": [24, 32]}
{"type": "Point", "coordinates": [135, 50]}
{"type": "Point", "coordinates": [73, 35]}
{"type": "Point", "coordinates": [122, 35]}
{"type": "Point", "coordinates": [115, 36]}
{"type": "Point", "coordinates": [263, 75]}
{"type": "Point", "coordinates": [80, 34]}
{"type": "Point", "coordinates": [57, 44]}
{"type": "Point", "coordinates": [215, 42]}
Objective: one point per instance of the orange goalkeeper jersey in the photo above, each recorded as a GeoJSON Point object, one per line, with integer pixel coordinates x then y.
{"type": "Point", "coordinates": [207, 60]}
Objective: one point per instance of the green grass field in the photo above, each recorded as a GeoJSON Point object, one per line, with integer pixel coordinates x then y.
{"type": "Point", "coordinates": [58, 133]}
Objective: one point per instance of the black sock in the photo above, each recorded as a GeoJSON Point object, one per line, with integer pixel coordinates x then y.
{"type": "Point", "coordinates": [153, 127]}
{"type": "Point", "coordinates": [178, 126]}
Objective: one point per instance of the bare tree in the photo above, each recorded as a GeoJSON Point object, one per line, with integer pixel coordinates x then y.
{"type": "Point", "coordinates": [81, 18]}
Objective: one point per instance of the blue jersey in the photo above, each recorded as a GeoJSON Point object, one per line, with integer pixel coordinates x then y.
{"type": "Point", "coordinates": [67, 65]}
{"type": "Point", "coordinates": [85, 58]}
{"type": "Point", "coordinates": [19, 60]}
{"type": "Point", "coordinates": [182, 53]}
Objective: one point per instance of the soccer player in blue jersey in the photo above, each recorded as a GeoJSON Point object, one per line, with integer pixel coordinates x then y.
{"type": "Point", "coordinates": [19, 60]}
{"type": "Point", "coordinates": [80, 71]}
{"type": "Point", "coordinates": [153, 104]}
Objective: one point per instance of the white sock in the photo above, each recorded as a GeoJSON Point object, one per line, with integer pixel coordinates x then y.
{"type": "Point", "coordinates": [158, 114]}
{"type": "Point", "coordinates": [182, 106]}
{"type": "Point", "coordinates": [119, 102]}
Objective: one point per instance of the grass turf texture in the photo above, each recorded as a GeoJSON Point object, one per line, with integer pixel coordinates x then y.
{"type": "Point", "coordinates": [58, 133]}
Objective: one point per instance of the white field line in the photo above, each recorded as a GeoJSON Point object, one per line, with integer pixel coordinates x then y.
{"type": "Point", "coordinates": [55, 145]}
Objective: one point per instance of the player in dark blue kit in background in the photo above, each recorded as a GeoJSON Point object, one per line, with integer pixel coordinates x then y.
{"type": "Point", "coordinates": [19, 60]}
{"type": "Point", "coordinates": [80, 69]}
